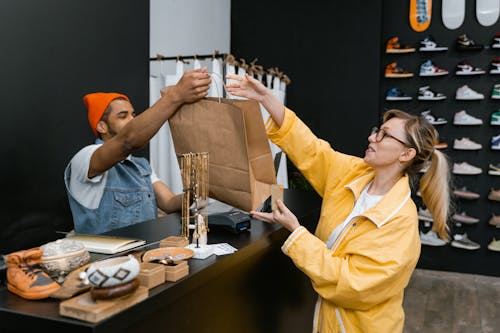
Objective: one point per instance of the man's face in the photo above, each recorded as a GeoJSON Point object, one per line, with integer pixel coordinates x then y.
{"type": "Point", "coordinates": [121, 113]}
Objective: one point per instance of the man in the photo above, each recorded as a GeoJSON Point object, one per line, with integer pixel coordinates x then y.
{"type": "Point", "coordinates": [107, 187]}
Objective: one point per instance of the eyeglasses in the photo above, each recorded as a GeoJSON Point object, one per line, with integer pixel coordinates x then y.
{"type": "Point", "coordinates": [380, 134]}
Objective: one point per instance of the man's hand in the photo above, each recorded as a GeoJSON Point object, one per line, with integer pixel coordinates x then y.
{"type": "Point", "coordinates": [192, 87]}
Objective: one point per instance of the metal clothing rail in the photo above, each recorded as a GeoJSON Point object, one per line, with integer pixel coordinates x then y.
{"type": "Point", "coordinates": [160, 57]}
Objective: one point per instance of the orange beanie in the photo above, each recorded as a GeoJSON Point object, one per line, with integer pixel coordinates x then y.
{"type": "Point", "coordinates": [97, 103]}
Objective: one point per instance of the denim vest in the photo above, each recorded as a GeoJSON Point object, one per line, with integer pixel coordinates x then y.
{"type": "Point", "coordinates": [128, 198]}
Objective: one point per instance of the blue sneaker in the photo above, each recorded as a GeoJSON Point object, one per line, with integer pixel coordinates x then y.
{"type": "Point", "coordinates": [495, 142]}
{"type": "Point", "coordinates": [394, 94]}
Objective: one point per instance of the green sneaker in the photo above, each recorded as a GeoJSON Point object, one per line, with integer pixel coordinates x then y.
{"type": "Point", "coordinates": [495, 93]}
{"type": "Point", "coordinates": [494, 245]}
{"type": "Point", "coordinates": [495, 118]}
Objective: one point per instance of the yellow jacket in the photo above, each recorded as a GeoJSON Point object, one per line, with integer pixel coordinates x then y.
{"type": "Point", "coordinates": [361, 280]}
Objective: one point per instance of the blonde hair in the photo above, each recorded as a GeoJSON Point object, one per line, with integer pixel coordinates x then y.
{"type": "Point", "coordinates": [434, 184]}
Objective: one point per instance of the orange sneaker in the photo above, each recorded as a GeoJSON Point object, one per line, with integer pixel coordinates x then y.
{"type": "Point", "coordinates": [26, 278]}
{"type": "Point", "coordinates": [393, 71]}
{"type": "Point", "coordinates": [393, 46]}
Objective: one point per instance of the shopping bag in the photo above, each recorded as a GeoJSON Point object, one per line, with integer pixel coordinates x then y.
{"type": "Point", "coordinates": [241, 167]}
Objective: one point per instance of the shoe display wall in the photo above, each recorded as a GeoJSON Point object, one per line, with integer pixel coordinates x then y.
{"type": "Point", "coordinates": [464, 108]}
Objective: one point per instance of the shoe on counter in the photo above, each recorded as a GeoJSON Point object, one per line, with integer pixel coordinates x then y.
{"type": "Point", "coordinates": [494, 195]}
{"type": "Point", "coordinates": [464, 218]}
{"type": "Point", "coordinates": [395, 94]}
{"type": "Point", "coordinates": [495, 142]}
{"type": "Point", "coordinates": [466, 144]}
{"type": "Point", "coordinates": [430, 45]}
{"type": "Point", "coordinates": [425, 93]}
{"type": "Point", "coordinates": [494, 220]}
{"type": "Point", "coordinates": [464, 193]}
{"type": "Point", "coordinates": [495, 118]}
{"type": "Point", "coordinates": [464, 43]}
{"type": "Point", "coordinates": [393, 46]}
{"type": "Point", "coordinates": [392, 70]}
{"type": "Point", "coordinates": [463, 242]}
{"type": "Point", "coordinates": [424, 215]}
{"type": "Point", "coordinates": [433, 120]}
{"type": "Point", "coordinates": [495, 44]}
{"type": "Point", "coordinates": [429, 69]}
{"type": "Point", "coordinates": [463, 118]}
{"type": "Point", "coordinates": [464, 68]}
{"type": "Point", "coordinates": [465, 168]}
{"type": "Point", "coordinates": [431, 238]}
{"type": "Point", "coordinates": [494, 245]}
{"type": "Point", "coordinates": [465, 93]}
{"type": "Point", "coordinates": [495, 92]}
{"type": "Point", "coordinates": [495, 65]}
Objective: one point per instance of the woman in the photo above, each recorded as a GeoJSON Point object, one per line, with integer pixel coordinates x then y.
{"type": "Point", "coordinates": [366, 244]}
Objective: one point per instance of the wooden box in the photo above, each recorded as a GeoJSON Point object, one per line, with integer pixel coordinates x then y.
{"type": "Point", "coordinates": [151, 275]}
{"type": "Point", "coordinates": [176, 271]}
{"type": "Point", "coordinates": [174, 241]}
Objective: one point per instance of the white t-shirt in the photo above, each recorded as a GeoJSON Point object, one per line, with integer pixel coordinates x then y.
{"type": "Point", "coordinates": [364, 202]}
{"type": "Point", "coordinates": [88, 191]}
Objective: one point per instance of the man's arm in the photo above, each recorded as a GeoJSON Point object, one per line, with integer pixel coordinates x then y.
{"type": "Point", "coordinates": [192, 87]}
{"type": "Point", "coordinates": [165, 199]}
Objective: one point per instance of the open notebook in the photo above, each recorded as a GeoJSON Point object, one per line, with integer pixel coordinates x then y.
{"type": "Point", "coordinates": [107, 244]}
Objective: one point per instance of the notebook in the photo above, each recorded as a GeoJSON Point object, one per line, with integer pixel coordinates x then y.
{"type": "Point", "coordinates": [107, 244]}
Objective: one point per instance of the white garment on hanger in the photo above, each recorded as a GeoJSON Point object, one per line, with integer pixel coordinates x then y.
{"type": "Point", "coordinates": [217, 79]}
{"type": "Point", "coordinates": [197, 64]}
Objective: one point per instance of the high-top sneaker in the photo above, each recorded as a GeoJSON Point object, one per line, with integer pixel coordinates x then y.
{"type": "Point", "coordinates": [464, 43]}
{"type": "Point", "coordinates": [26, 278]}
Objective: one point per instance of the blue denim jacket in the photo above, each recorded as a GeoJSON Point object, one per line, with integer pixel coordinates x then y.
{"type": "Point", "coordinates": [128, 198]}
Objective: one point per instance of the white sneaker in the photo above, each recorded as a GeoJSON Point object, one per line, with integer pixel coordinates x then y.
{"type": "Point", "coordinates": [466, 93]}
{"type": "Point", "coordinates": [465, 168]}
{"type": "Point", "coordinates": [463, 118]}
{"type": "Point", "coordinates": [465, 68]}
{"type": "Point", "coordinates": [464, 218]}
{"type": "Point", "coordinates": [431, 238]}
{"type": "Point", "coordinates": [432, 119]}
{"type": "Point", "coordinates": [466, 144]}
{"type": "Point", "coordinates": [424, 215]}
{"type": "Point", "coordinates": [463, 242]}
{"type": "Point", "coordinates": [426, 94]}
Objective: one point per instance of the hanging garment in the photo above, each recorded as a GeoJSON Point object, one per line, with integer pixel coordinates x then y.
{"type": "Point", "coordinates": [196, 64]}
{"type": "Point", "coordinates": [217, 79]}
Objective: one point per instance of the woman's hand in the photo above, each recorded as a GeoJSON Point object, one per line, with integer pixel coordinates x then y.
{"type": "Point", "coordinates": [282, 216]}
{"type": "Point", "coordinates": [247, 87]}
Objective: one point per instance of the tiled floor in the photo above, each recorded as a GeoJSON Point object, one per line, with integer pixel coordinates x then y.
{"type": "Point", "coordinates": [447, 302]}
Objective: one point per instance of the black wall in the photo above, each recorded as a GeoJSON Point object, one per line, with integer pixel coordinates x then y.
{"type": "Point", "coordinates": [52, 53]}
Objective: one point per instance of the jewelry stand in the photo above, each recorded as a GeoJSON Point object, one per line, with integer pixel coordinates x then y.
{"type": "Point", "coordinates": [194, 169]}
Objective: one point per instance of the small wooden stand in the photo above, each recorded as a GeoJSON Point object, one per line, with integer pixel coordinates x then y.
{"type": "Point", "coordinates": [176, 271]}
{"type": "Point", "coordinates": [151, 275]}
{"type": "Point", "coordinates": [84, 308]}
{"type": "Point", "coordinates": [174, 241]}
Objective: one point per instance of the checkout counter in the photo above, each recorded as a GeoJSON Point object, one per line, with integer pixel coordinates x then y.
{"type": "Point", "coordinates": [257, 289]}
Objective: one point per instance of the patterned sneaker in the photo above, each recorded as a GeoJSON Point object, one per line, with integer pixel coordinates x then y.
{"type": "Point", "coordinates": [424, 215]}
{"type": "Point", "coordinates": [430, 45]}
{"type": "Point", "coordinates": [495, 142]}
{"type": "Point", "coordinates": [433, 120]}
{"type": "Point", "coordinates": [465, 93]}
{"type": "Point", "coordinates": [495, 92]}
{"type": "Point", "coordinates": [465, 119]}
{"type": "Point", "coordinates": [495, 66]}
{"type": "Point", "coordinates": [394, 94]}
{"type": "Point", "coordinates": [393, 46]}
{"type": "Point", "coordinates": [495, 44]}
{"type": "Point", "coordinates": [464, 193]}
{"type": "Point", "coordinates": [393, 71]}
{"type": "Point", "coordinates": [464, 43]}
{"type": "Point", "coordinates": [466, 144]}
{"type": "Point", "coordinates": [465, 168]}
{"type": "Point", "coordinates": [464, 218]}
{"type": "Point", "coordinates": [426, 94]}
{"type": "Point", "coordinates": [464, 68]}
{"type": "Point", "coordinates": [494, 245]}
{"type": "Point", "coordinates": [463, 242]}
{"type": "Point", "coordinates": [494, 220]}
{"type": "Point", "coordinates": [429, 69]}
{"type": "Point", "coordinates": [495, 118]}
{"type": "Point", "coordinates": [431, 238]}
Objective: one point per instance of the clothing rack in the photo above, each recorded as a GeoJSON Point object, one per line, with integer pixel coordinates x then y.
{"type": "Point", "coordinates": [160, 57]}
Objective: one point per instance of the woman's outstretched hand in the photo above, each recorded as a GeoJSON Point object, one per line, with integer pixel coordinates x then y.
{"type": "Point", "coordinates": [247, 87]}
{"type": "Point", "coordinates": [282, 216]}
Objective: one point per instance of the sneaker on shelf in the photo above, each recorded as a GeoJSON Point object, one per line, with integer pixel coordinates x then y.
{"type": "Point", "coordinates": [494, 171]}
{"type": "Point", "coordinates": [440, 145]}
{"type": "Point", "coordinates": [494, 195]}
{"type": "Point", "coordinates": [392, 70]}
{"type": "Point", "coordinates": [465, 168]}
{"type": "Point", "coordinates": [394, 94]}
{"type": "Point", "coordinates": [393, 46]}
{"type": "Point", "coordinates": [464, 68]}
{"type": "Point", "coordinates": [464, 193]}
{"type": "Point", "coordinates": [495, 92]}
{"type": "Point", "coordinates": [429, 69]}
{"type": "Point", "coordinates": [467, 94]}
{"type": "Point", "coordinates": [425, 167]}
{"type": "Point", "coordinates": [464, 218]}
{"type": "Point", "coordinates": [464, 43]}
{"type": "Point", "coordinates": [424, 215]}
{"type": "Point", "coordinates": [494, 220]}
{"type": "Point", "coordinates": [433, 120]}
{"type": "Point", "coordinates": [494, 245]}
{"type": "Point", "coordinates": [463, 242]}
{"type": "Point", "coordinates": [466, 144]}
{"type": "Point", "coordinates": [495, 44]}
{"type": "Point", "coordinates": [463, 118]}
{"type": "Point", "coordinates": [495, 118]}
{"type": "Point", "coordinates": [430, 45]}
{"type": "Point", "coordinates": [431, 238]}
{"type": "Point", "coordinates": [495, 66]}
{"type": "Point", "coordinates": [495, 142]}
{"type": "Point", "coordinates": [425, 93]}
{"type": "Point", "coordinates": [495, 167]}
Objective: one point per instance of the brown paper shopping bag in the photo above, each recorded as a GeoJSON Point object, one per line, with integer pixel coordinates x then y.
{"type": "Point", "coordinates": [241, 168]}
